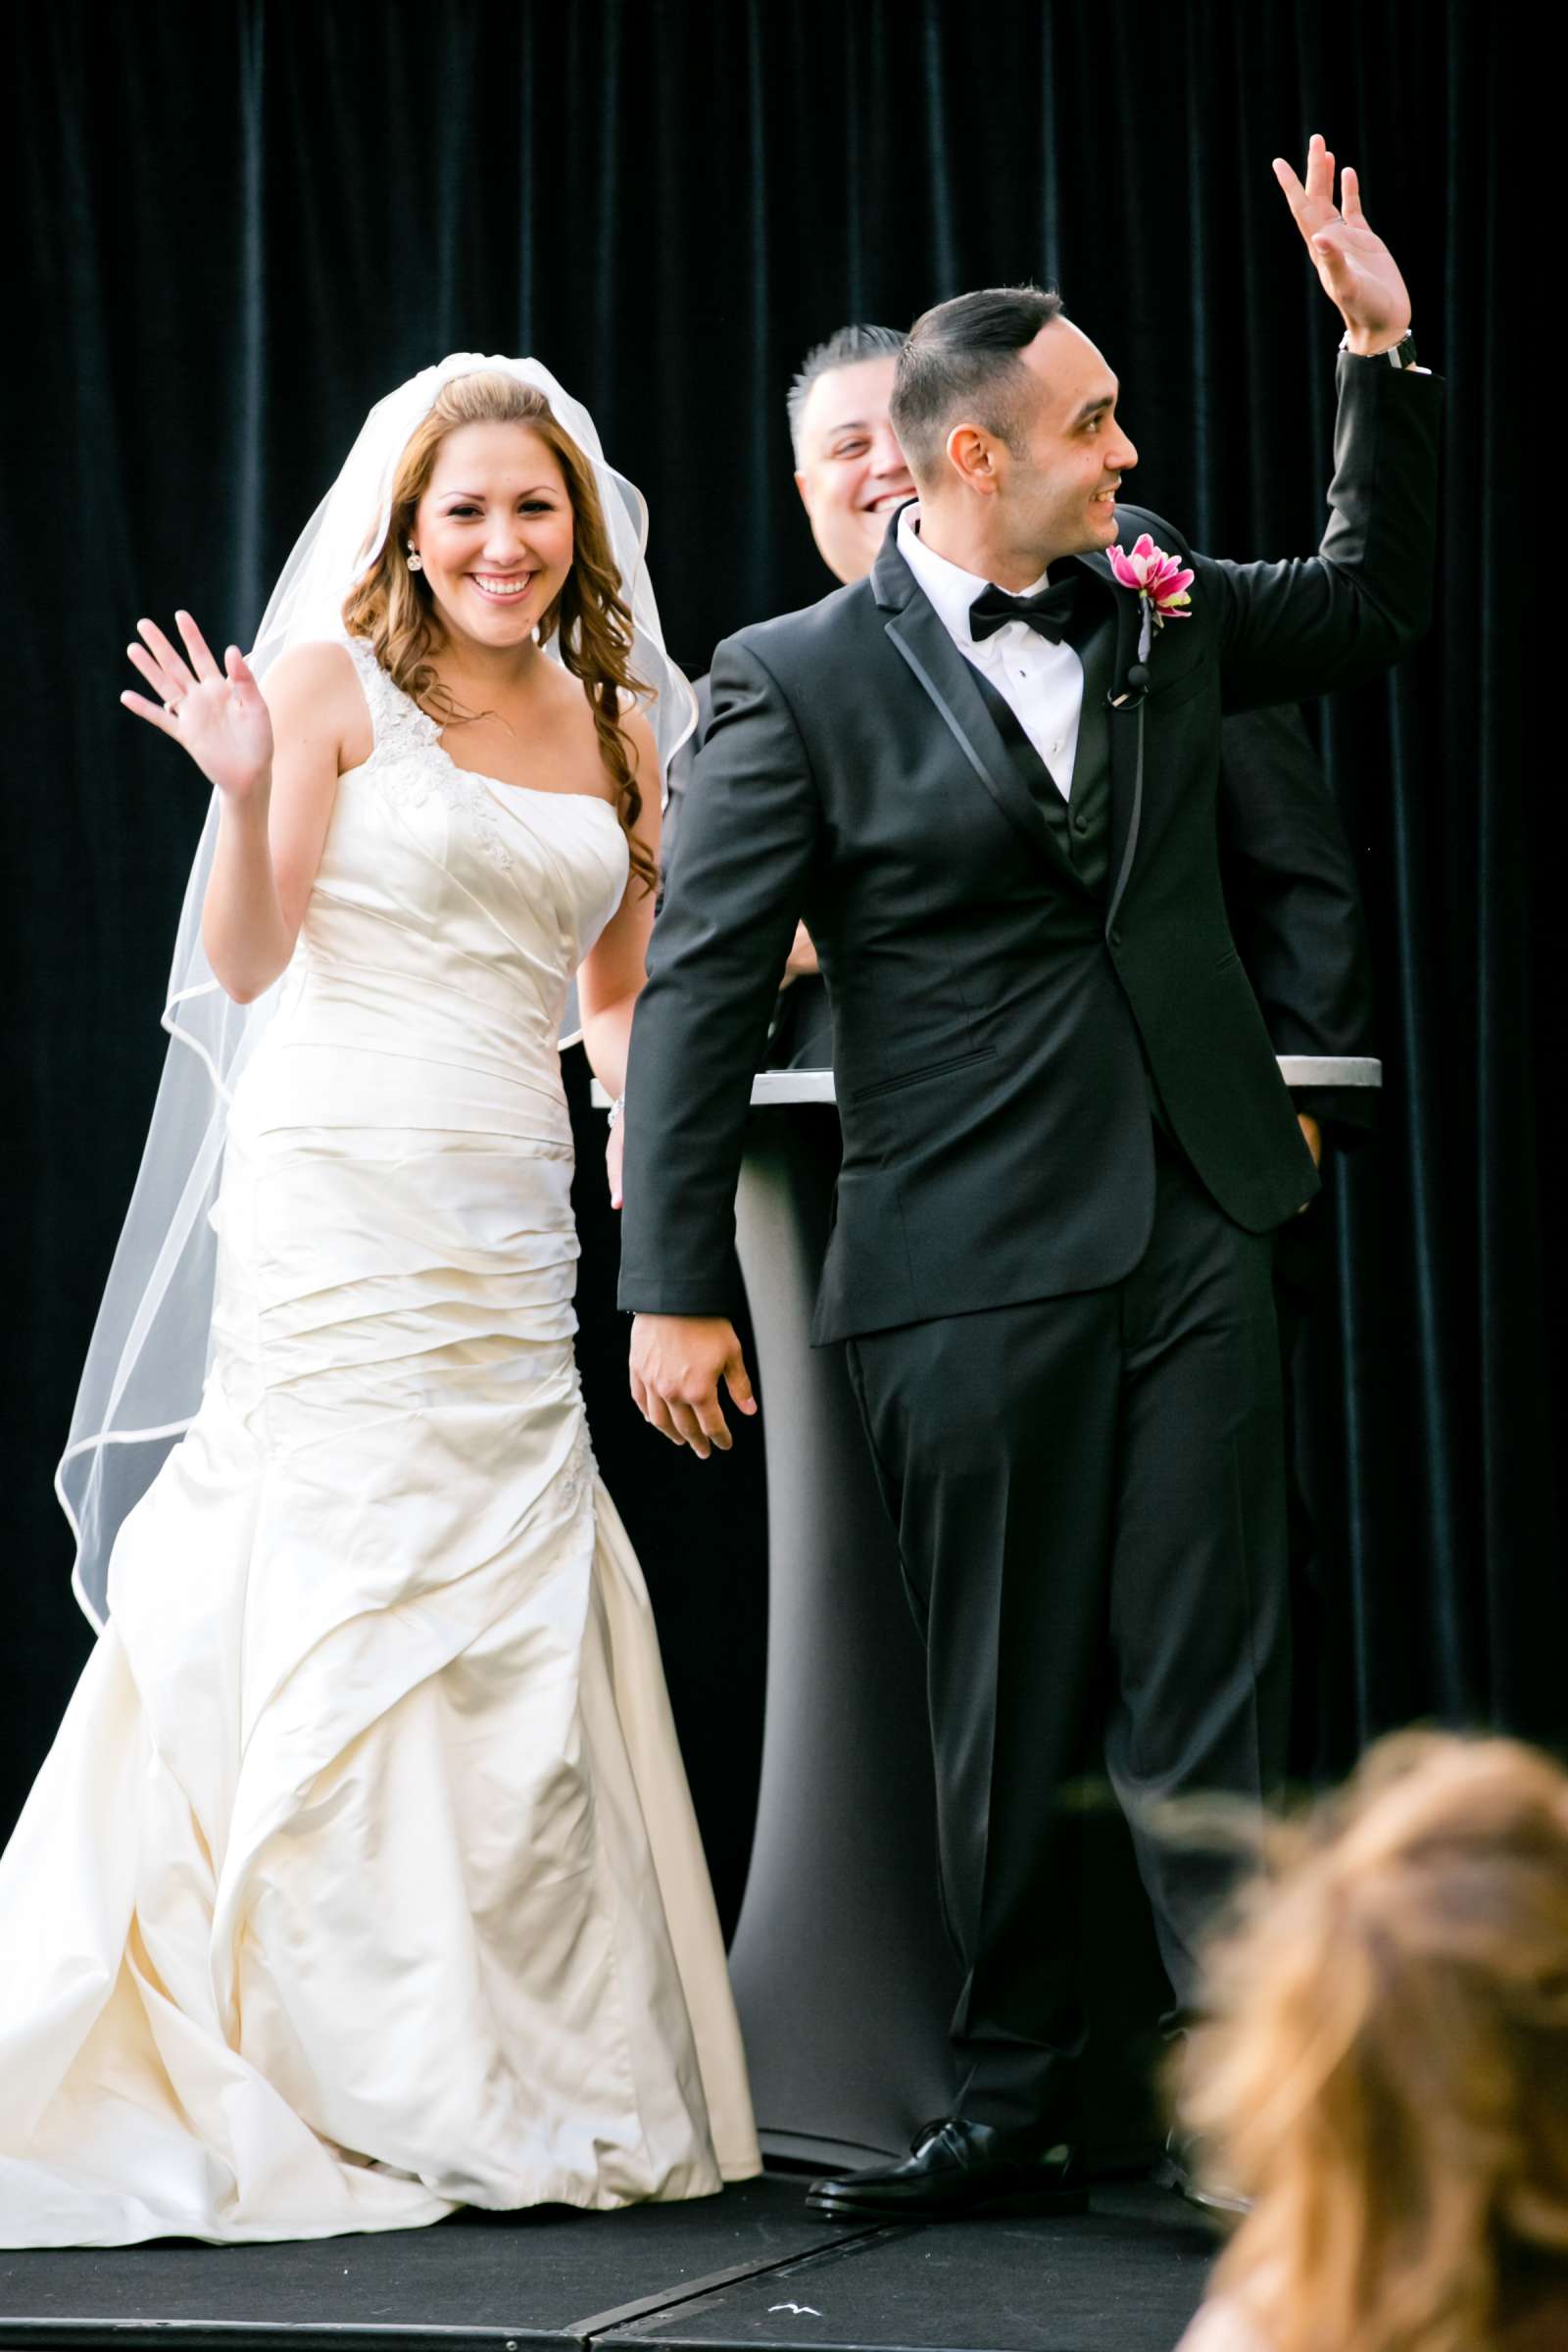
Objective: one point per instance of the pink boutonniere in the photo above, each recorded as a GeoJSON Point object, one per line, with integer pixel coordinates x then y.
{"type": "Point", "coordinates": [1161, 584]}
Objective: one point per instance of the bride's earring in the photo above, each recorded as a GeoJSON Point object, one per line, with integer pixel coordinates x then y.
{"type": "Point", "coordinates": [416, 561]}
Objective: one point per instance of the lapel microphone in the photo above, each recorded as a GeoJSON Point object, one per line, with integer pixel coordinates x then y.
{"type": "Point", "coordinates": [1133, 693]}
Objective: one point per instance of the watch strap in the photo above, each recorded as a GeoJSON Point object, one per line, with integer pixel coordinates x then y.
{"type": "Point", "coordinates": [1398, 355]}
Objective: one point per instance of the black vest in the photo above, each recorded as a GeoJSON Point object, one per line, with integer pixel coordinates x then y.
{"type": "Point", "coordinates": [1081, 826]}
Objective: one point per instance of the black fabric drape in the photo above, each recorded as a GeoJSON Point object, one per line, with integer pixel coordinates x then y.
{"type": "Point", "coordinates": [233, 229]}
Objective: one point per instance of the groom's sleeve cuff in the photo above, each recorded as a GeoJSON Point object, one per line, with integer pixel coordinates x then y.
{"type": "Point", "coordinates": [680, 1298]}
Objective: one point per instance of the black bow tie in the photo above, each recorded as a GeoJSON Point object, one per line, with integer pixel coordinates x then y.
{"type": "Point", "coordinates": [1048, 613]}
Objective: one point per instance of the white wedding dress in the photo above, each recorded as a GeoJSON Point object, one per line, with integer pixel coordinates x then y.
{"type": "Point", "coordinates": [361, 1878]}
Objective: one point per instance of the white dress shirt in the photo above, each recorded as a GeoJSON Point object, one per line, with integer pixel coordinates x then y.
{"type": "Point", "coordinates": [1042, 684]}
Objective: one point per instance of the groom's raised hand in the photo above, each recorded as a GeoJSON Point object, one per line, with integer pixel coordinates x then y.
{"type": "Point", "coordinates": [677, 1362]}
{"type": "Point", "coordinates": [1359, 274]}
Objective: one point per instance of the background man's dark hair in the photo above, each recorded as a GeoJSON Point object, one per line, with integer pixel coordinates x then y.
{"type": "Point", "coordinates": [842, 349]}
{"type": "Point", "coordinates": [961, 361]}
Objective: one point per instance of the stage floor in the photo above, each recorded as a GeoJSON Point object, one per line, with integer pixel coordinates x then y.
{"type": "Point", "coordinates": [751, 2268]}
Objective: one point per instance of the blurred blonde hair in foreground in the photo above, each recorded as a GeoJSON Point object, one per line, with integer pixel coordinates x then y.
{"type": "Point", "coordinates": [1385, 2067]}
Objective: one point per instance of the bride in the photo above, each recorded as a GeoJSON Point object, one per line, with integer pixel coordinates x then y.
{"type": "Point", "coordinates": [362, 1879]}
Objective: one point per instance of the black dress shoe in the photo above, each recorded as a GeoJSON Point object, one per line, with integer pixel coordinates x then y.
{"type": "Point", "coordinates": [1181, 2169]}
{"type": "Point", "coordinates": [956, 2168]}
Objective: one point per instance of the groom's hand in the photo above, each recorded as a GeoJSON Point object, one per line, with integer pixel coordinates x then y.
{"type": "Point", "coordinates": [1359, 273]}
{"type": "Point", "coordinates": [677, 1362]}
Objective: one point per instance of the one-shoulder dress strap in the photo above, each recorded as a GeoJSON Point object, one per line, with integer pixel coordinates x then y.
{"type": "Point", "coordinates": [397, 723]}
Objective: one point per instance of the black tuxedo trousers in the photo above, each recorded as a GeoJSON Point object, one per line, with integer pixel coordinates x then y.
{"type": "Point", "coordinates": [1089, 1498]}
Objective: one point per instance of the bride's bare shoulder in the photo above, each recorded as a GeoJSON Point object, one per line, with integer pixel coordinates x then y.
{"type": "Point", "coordinates": [322, 666]}
{"type": "Point", "coordinates": [314, 690]}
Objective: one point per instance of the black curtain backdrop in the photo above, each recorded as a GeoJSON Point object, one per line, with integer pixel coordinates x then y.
{"type": "Point", "coordinates": [232, 228]}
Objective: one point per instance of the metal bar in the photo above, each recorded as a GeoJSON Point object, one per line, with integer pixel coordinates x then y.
{"type": "Point", "coordinates": [1296, 1069]}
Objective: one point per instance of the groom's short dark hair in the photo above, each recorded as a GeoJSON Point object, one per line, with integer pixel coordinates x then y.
{"type": "Point", "coordinates": [964, 355]}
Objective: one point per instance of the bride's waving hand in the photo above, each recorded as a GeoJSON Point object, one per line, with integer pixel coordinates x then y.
{"type": "Point", "coordinates": [218, 716]}
{"type": "Point", "coordinates": [275, 761]}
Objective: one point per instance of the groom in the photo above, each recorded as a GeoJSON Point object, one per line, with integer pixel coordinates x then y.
{"type": "Point", "coordinates": [1066, 1144]}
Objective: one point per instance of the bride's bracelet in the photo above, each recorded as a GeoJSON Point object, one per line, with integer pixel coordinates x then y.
{"type": "Point", "coordinates": [616, 1110]}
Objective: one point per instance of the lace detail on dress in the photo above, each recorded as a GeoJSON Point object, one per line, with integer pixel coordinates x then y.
{"type": "Point", "coordinates": [579, 1470]}
{"type": "Point", "coordinates": [409, 757]}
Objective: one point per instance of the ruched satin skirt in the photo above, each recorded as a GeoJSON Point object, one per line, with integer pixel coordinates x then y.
{"type": "Point", "coordinates": [363, 1878]}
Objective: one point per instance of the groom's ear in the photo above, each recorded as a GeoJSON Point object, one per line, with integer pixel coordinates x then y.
{"type": "Point", "coordinates": [974, 456]}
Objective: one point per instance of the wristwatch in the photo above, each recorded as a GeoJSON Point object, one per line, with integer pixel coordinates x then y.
{"type": "Point", "coordinates": [1398, 355]}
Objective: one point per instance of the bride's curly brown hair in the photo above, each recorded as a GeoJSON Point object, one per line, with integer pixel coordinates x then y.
{"type": "Point", "coordinates": [391, 608]}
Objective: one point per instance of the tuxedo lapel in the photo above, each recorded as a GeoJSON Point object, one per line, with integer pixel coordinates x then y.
{"type": "Point", "coordinates": [1126, 735]}
{"type": "Point", "coordinates": [921, 641]}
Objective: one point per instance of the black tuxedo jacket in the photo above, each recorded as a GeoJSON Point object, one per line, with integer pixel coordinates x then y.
{"type": "Point", "coordinates": [1294, 900]}
{"type": "Point", "coordinates": [800, 1032]}
{"type": "Point", "coordinates": [992, 1019]}
{"type": "Point", "coordinates": [1291, 896]}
